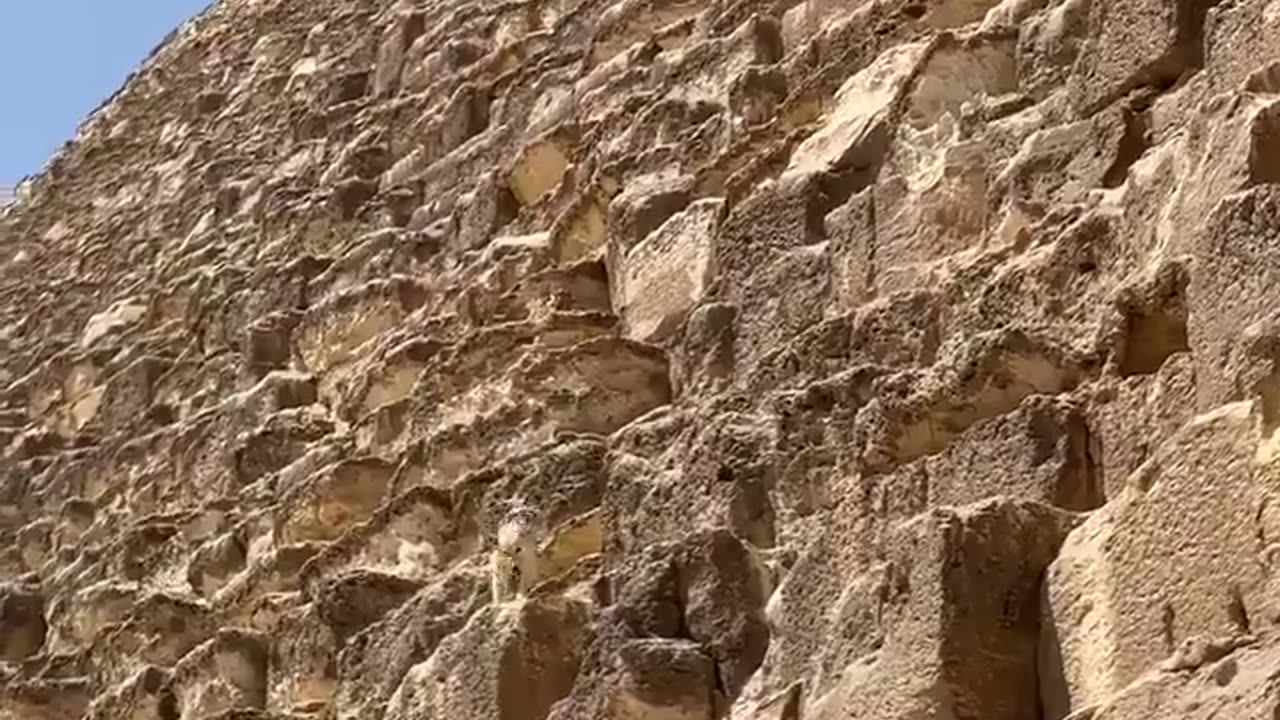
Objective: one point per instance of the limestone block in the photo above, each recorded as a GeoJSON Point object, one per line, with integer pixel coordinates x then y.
{"type": "Point", "coordinates": [938, 617]}
{"type": "Point", "coordinates": [214, 563]}
{"type": "Point", "coordinates": [1230, 146]}
{"type": "Point", "coordinates": [158, 630]}
{"type": "Point", "coordinates": [1039, 451]}
{"type": "Point", "coordinates": [395, 43]}
{"type": "Point", "coordinates": [331, 332]}
{"type": "Point", "coordinates": [145, 695]}
{"type": "Point", "coordinates": [724, 460]}
{"type": "Point", "coordinates": [957, 13]}
{"type": "Point", "coordinates": [666, 679]}
{"type": "Point", "coordinates": [958, 71]}
{"type": "Point", "coordinates": [1183, 551]}
{"type": "Point", "coordinates": [1132, 43]}
{"type": "Point", "coordinates": [1064, 162]}
{"type": "Point", "coordinates": [347, 86]}
{"type": "Point", "coordinates": [627, 22]}
{"type": "Point", "coordinates": [852, 232]}
{"type": "Point", "coordinates": [1010, 13]}
{"type": "Point", "coordinates": [1218, 678]}
{"type": "Point", "coordinates": [510, 661]}
{"type": "Point", "coordinates": [707, 66]}
{"type": "Point", "coordinates": [332, 500]}
{"type": "Point", "coordinates": [392, 379]}
{"type": "Point", "coordinates": [411, 536]}
{"type": "Point", "coordinates": [484, 210]}
{"type": "Point", "coordinates": [582, 230]}
{"type": "Point", "coordinates": [580, 287]}
{"type": "Point", "coordinates": [917, 415]}
{"type": "Point", "coordinates": [280, 440]}
{"type": "Point", "coordinates": [358, 598]}
{"type": "Point", "coordinates": [1148, 324]}
{"type": "Point", "coordinates": [769, 241]}
{"type": "Point", "coordinates": [594, 386]}
{"type": "Point", "coordinates": [684, 631]}
{"type": "Point", "coordinates": [303, 654]}
{"type": "Point", "coordinates": [569, 542]}
{"type": "Point", "coordinates": [45, 699]}
{"type": "Point", "coordinates": [76, 618]}
{"type": "Point", "coordinates": [724, 586]}
{"type": "Point", "coordinates": [664, 276]}
{"type": "Point", "coordinates": [599, 385]}
{"type": "Point", "coordinates": [226, 673]}
{"type": "Point", "coordinates": [35, 542]}
{"type": "Point", "coordinates": [1235, 286]}
{"type": "Point", "coordinates": [928, 208]}
{"type": "Point", "coordinates": [931, 196]}
{"type": "Point", "coordinates": [1129, 418]}
{"type": "Point", "coordinates": [22, 622]}
{"type": "Point", "coordinates": [374, 661]}
{"type": "Point", "coordinates": [116, 318]}
{"type": "Point", "coordinates": [1238, 38]}
{"type": "Point", "coordinates": [538, 169]}
{"type": "Point", "coordinates": [644, 204]}
{"type": "Point", "coordinates": [83, 397]}
{"type": "Point", "coordinates": [125, 401]}
{"type": "Point", "coordinates": [271, 573]}
{"type": "Point", "coordinates": [857, 130]}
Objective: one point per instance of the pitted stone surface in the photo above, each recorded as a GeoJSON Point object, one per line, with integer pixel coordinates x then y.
{"type": "Point", "coordinates": [653, 360]}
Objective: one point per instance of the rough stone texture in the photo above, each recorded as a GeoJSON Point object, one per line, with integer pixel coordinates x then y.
{"type": "Point", "coordinates": [1206, 678]}
{"type": "Point", "coordinates": [1182, 551]}
{"type": "Point", "coordinates": [22, 622]}
{"type": "Point", "coordinates": [662, 360]}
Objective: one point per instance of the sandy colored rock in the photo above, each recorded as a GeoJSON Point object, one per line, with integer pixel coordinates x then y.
{"type": "Point", "coordinates": [227, 672]}
{"type": "Point", "coordinates": [898, 633]}
{"type": "Point", "coordinates": [651, 360]}
{"type": "Point", "coordinates": [1227, 678]}
{"type": "Point", "coordinates": [22, 619]}
{"type": "Point", "coordinates": [856, 132]}
{"type": "Point", "coordinates": [666, 274]}
{"type": "Point", "coordinates": [1131, 585]}
{"type": "Point", "coordinates": [530, 651]}
{"type": "Point", "coordinates": [664, 678]}
{"type": "Point", "coordinates": [1234, 274]}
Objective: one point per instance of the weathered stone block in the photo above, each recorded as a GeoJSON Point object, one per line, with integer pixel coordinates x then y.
{"type": "Point", "coordinates": [228, 672]}
{"type": "Point", "coordinates": [1214, 678]}
{"type": "Point", "coordinates": [664, 276]}
{"type": "Point", "coordinates": [859, 127]}
{"type": "Point", "coordinates": [510, 661]}
{"type": "Point", "coordinates": [22, 623]}
{"type": "Point", "coordinates": [1181, 552]}
{"type": "Point", "coordinates": [1236, 283]}
{"type": "Point", "coordinates": [538, 170]}
{"type": "Point", "coordinates": [1132, 43]}
{"type": "Point", "coordinates": [904, 623]}
{"type": "Point", "coordinates": [373, 663]}
{"type": "Point", "coordinates": [331, 501]}
{"type": "Point", "coordinates": [669, 679]}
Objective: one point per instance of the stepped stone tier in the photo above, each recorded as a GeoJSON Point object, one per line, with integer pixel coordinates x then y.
{"type": "Point", "coordinates": [653, 360]}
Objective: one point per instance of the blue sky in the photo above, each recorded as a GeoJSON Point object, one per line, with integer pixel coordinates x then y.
{"type": "Point", "coordinates": [60, 58]}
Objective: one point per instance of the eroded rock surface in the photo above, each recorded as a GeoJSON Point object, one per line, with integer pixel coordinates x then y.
{"type": "Point", "coordinates": [665, 360]}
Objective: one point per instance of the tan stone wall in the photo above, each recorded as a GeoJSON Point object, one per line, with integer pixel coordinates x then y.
{"type": "Point", "coordinates": [653, 360]}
